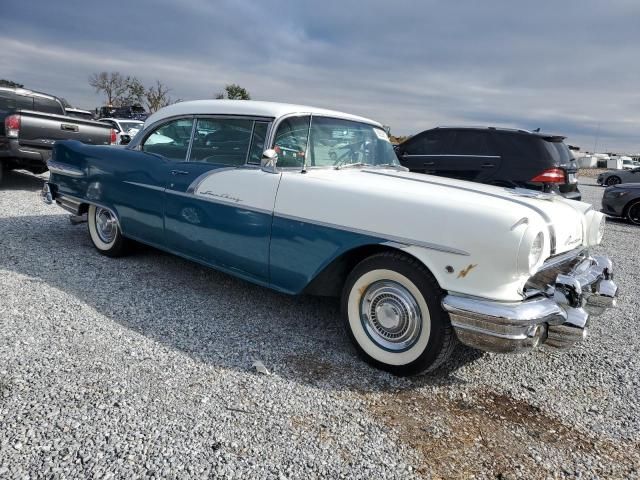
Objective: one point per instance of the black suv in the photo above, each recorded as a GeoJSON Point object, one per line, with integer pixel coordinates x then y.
{"type": "Point", "coordinates": [497, 156]}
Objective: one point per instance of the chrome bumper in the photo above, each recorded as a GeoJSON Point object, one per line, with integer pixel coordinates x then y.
{"type": "Point", "coordinates": [557, 317]}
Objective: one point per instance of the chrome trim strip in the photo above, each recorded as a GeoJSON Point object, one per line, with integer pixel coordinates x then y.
{"type": "Point", "coordinates": [542, 213]}
{"type": "Point", "coordinates": [62, 169]}
{"type": "Point", "coordinates": [145, 185]}
{"type": "Point", "coordinates": [406, 242]}
{"type": "Point", "coordinates": [454, 155]}
{"type": "Point", "coordinates": [220, 201]}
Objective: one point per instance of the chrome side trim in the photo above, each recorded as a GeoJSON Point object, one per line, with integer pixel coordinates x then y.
{"type": "Point", "coordinates": [453, 155]}
{"type": "Point", "coordinates": [60, 168]}
{"type": "Point", "coordinates": [146, 185]}
{"type": "Point", "coordinates": [221, 201]}
{"type": "Point", "coordinates": [406, 242]}
{"type": "Point", "coordinates": [542, 213]}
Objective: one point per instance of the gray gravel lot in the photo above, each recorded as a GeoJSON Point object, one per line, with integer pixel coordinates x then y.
{"type": "Point", "coordinates": [141, 367]}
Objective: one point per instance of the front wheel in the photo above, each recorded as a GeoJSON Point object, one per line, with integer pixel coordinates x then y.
{"type": "Point", "coordinates": [633, 212]}
{"type": "Point", "coordinates": [105, 233]}
{"type": "Point", "coordinates": [392, 313]}
{"type": "Point", "coordinates": [613, 180]}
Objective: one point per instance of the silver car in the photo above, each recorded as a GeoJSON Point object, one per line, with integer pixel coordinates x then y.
{"type": "Point", "coordinates": [614, 177]}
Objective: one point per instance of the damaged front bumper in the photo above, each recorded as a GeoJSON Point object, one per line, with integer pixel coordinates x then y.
{"type": "Point", "coordinates": [555, 314]}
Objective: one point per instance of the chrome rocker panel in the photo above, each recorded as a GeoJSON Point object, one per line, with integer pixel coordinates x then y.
{"type": "Point", "coordinates": [557, 317]}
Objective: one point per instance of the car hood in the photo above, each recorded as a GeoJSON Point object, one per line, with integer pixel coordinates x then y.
{"type": "Point", "coordinates": [564, 219]}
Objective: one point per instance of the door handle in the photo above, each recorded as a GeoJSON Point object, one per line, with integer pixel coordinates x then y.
{"type": "Point", "coordinates": [68, 127]}
{"type": "Point", "coordinates": [487, 165]}
{"type": "Point", "coordinates": [428, 164]}
{"type": "Point", "coordinates": [179, 172]}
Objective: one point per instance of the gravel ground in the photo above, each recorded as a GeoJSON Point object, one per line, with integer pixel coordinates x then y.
{"type": "Point", "coordinates": [142, 367]}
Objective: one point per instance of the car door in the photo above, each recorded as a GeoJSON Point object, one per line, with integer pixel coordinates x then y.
{"type": "Point", "coordinates": [219, 203]}
{"type": "Point", "coordinates": [424, 152]}
{"type": "Point", "coordinates": [138, 181]}
{"type": "Point", "coordinates": [470, 156]}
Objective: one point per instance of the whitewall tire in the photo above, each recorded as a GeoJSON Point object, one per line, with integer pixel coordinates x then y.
{"type": "Point", "coordinates": [392, 313]}
{"type": "Point", "coordinates": [105, 232]}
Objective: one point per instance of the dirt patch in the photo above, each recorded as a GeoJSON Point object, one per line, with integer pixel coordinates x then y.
{"type": "Point", "coordinates": [489, 435]}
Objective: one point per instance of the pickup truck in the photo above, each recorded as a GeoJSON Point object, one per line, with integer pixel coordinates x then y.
{"type": "Point", "coordinates": [31, 122]}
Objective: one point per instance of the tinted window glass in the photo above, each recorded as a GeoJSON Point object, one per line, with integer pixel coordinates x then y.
{"type": "Point", "coordinates": [222, 141]}
{"type": "Point", "coordinates": [47, 105]}
{"type": "Point", "coordinates": [341, 142]}
{"type": "Point", "coordinates": [291, 141]}
{"type": "Point", "coordinates": [430, 143]}
{"type": "Point", "coordinates": [7, 101]}
{"type": "Point", "coordinates": [171, 139]}
{"type": "Point", "coordinates": [469, 142]}
{"type": "Point", "coordinates": [559, 152]}
{"type": "Point", "coordinates": [521, 148]}
{"type": "Point", "coordinates": [257, 143]}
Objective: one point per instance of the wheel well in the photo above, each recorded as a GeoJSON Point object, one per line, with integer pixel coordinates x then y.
{"type": "Point", "coordinates": [625, 210]}
{"type": "Point", "coordinates": [330, 280]}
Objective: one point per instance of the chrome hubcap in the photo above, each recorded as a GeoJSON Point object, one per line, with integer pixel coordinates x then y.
{"type": "Point", "coordinates": [106, 225]}
{"type": "Point", "coordinates": [390, 315]}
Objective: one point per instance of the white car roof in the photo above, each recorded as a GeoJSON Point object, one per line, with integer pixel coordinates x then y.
{"type": "Point", "coordinates": [248, 108]}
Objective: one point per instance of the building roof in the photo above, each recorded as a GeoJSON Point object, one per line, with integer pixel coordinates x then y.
{"type": "Point", "coordinates": [246, 108]}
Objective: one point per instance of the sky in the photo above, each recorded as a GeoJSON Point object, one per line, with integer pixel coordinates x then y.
{"type": "Point", "coordinates": [569, 67]}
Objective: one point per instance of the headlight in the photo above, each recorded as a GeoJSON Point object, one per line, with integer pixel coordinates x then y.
{"type": "Point", "coordinates": [532, 251]}
{"type": "Point", "coordinates": [537, 247]}
{"type": "Point", "coordinates": [616, 194]}
{"type": "Point", "coordinates": [596, 224]}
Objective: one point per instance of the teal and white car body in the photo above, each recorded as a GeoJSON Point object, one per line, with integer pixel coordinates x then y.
{"type": "Point", "coordinates": [253, 189]}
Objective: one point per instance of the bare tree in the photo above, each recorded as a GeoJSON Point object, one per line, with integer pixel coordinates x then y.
{"type": "Point", "coordinates": [157, 97]}
{"type": "Point", "coordinates": [233, 91]}
{"type": "Point", "coordinates": [133, 92]}
{"type": "Point", "coordinates": [111, 84]}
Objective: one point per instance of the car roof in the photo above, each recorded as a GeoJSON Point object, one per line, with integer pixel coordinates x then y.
{"type": "Point", "coordinates": [545, 136]}
{"type": "Point", "coordinates": [247, 108]}
{"type": "Point", "coordinates": [27, 92]}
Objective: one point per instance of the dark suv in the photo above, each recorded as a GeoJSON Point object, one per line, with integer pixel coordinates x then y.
{"type": "Point", "coordinates": [497, 156]}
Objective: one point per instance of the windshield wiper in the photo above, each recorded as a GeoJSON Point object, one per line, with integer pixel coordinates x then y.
{"type": "Point", "coordinates": [392, 165]}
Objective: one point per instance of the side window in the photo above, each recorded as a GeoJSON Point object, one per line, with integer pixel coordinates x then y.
{"type": "Point", "coordinates": [430, 143]}
{"type": "Point", "coordinates": [24, 102]}
{"type": "Point", "coordinates": [469, 142]}
{"type": "Point", "coordinates": [291, 141]}
{"type": "Point", "coordinates": [7, 101]}
{"type": "Point", "coordinates": [257, 142]}
{"type": "Point", "coordinates": [171, 139]}
{"type": "Point", "coordinates": [221, 140]}
{"type": "Point", "coordinates": [47, 105]}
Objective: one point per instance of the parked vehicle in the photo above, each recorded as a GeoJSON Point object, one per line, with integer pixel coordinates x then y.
{"type": "Point", "coordinates": [123, 126]}
{"type": "Point", "coordinates": [77, 112]}
{"type": "Point", "coordinates": [30, 123]}
{"type": "Point", "coordinates": [614, 177]}
{"type": "Point", "coordinates": [131, 112]}
{"type": "Point", "coordinates": [623, 201]}
{"type": "Point", "coordinates": [627, 163]}
{"type": "Point", "coordinates": [497, 156]}
{"type": "Point", "coordinates": [417, 260]}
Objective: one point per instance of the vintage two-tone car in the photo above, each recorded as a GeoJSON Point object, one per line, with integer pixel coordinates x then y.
{"type": "Point", "coordinates": [256, 189]}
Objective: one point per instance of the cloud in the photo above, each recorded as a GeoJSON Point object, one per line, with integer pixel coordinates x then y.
{"type": "Point", "coordinates": [564, 66]}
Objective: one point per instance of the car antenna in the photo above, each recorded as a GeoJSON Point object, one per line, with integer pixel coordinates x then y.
{"type": "Point", "coordinates": [536, 130]}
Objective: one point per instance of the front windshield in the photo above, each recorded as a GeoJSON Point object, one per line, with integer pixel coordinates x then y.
{"type": "Point", "coordinates": [335, 142]}
{"type": "Point", "coordinates": [126, 126]}
{"type": "Point", "coordinates": [331, 142]}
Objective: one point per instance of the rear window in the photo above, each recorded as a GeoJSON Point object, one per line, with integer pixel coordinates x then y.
{"type": "Point", "coordinates": [559, 152]}
{"type": "Point", "coordinates": [47, 105]}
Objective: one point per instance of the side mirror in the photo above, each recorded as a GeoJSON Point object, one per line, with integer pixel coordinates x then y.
{"type": "Point", "coordinates": [125, 139]}
{"type": "Point", "coordinates": [269, 160]}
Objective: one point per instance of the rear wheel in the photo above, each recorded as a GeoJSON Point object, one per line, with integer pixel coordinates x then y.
{"type": "Point", "coordinates": [392, 313]}
{"type": "Point", "coordinates": [105, 233]}
{"type": "Point", "coordinates": [633, 212]}
{"type": "Point", "coordinates": [613, 180]}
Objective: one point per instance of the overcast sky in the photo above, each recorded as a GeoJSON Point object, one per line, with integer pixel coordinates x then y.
{"type": "Point", "coordinates": [571, 67]}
